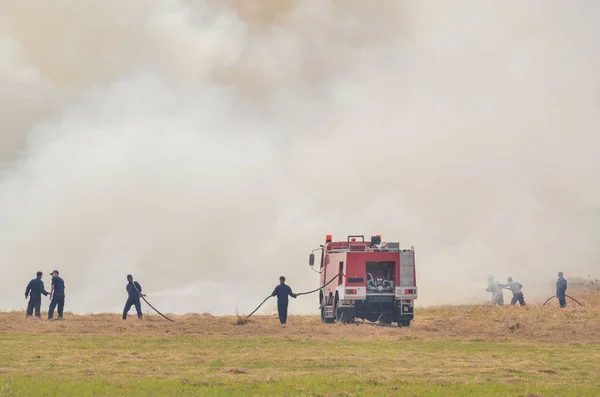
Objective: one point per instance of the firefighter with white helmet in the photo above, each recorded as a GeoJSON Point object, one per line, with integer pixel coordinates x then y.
{"type": "Point", "coordinates": [496, 289]}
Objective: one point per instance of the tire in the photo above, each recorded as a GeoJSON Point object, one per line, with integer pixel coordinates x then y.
{"type": "Point", "coordinates": [338, 315]}
{"type": "Point", "coordinates": [404, 323]}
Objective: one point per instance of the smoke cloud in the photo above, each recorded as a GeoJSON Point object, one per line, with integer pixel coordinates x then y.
{"type": "Point", "coordinates": [207, 147]}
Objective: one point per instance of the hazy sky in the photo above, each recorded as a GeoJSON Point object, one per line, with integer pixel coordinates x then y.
{"type": "Point", "coordinates": [208, 146]}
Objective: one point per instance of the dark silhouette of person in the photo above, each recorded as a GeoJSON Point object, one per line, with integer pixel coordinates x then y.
{"type": "Point", "coordinates": [282, 291]}
{"type": "Point", "coordinates": [134, 292]}
{"type": "Point", "coordinates": [57, 296]}
{"type": "Point", "coordinates": [34, 291]}
{"type": "Point", "coordinates": [561, 290]}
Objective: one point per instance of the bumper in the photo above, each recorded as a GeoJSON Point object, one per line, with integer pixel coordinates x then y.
{"type": "Point", "coordinates": [403, 293]}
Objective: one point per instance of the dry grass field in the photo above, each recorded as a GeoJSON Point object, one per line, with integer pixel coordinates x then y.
{"type": "Point", "coordinates": [454, 350]}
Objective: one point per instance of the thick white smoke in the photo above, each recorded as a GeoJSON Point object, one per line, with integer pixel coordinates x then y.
{"type": "Point", "coordinates": [206, 147]}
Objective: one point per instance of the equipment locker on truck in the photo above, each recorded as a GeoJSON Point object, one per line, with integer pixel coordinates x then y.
{"type": "Point", "coordinates": [376, 282]}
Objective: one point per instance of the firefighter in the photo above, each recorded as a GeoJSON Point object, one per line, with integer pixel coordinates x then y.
{"type": "Point", "coordinates": [57, 295]}
{"type": "Point", "coordinates": [34, 291]}
{"type": "Point", "coordinates": [134, 292]}
{"type": "Point", "coordinates": [516, 289]}
{"type": "Point", "coordinates": [561, 290]}
{"type": "Point", "coordinates": [282, 291]}
{"type": "Point", "coordinates": [496, 290]}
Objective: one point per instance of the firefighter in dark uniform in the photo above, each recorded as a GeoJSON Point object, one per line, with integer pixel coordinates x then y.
{"type": "Point", "coordinates": [282, 291]}
{"type": "Point", "coordinates": [57, 296]}
{"type": "Point", "coordinates": [34, 291]}
{"type": "Point", "coordinates": [134, 292]}
{"type": "Point", "coordinates": [561, 290]}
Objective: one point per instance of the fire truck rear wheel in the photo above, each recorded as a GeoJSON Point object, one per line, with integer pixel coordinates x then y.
{"type": "Point", "coordinates": [404, 323]}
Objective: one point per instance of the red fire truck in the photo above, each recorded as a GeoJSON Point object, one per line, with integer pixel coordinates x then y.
{"type": "Point", "coordinates": [376, 281]}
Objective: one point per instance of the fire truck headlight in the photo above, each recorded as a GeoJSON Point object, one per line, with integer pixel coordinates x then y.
{"type": "Point", "coordinates": [351, 291]}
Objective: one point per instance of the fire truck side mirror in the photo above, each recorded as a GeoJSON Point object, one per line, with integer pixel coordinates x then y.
{"type": "Point", "coordinates": [311, 259]}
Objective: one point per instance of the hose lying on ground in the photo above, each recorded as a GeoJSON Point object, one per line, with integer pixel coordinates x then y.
{"type": "Point", "coordinates": [554, 296]}
{"type": "Point", "coordinates": [142, 296]}
{"type": "Point", "coordinates": [298, 294]}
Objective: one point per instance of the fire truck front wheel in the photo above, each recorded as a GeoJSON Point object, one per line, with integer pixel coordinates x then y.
{"type": "Point", "coordinates": [404, 323]}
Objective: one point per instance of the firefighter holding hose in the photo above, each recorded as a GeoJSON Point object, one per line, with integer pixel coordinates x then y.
{"type": "Point", "coordinates": [282, 291]}
{"type": "Point", "coordinates": [134, 292]}
{"type": "Point", "coordinates": [561, 290]}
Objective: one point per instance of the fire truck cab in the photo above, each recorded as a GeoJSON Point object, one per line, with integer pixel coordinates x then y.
{"type": "Point", "coordinates": [376, 281]}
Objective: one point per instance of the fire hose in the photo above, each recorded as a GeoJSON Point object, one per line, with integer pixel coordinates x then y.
{"type": "Point", "coordinates": [142, 296]}
{"type": "Point", "coordinates": [300, 293]}
{"type": "Point", "coordinates": [570, 297]}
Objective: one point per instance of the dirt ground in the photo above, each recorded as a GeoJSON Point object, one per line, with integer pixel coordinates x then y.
{"type": "Point", "coordinates": [484, 322]}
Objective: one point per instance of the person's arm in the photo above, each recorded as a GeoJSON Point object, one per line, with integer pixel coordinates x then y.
{"type": "Point", "coordinates": [139, 288]}
{"type": "Point", "coordinates": [52, 290]}
{"type": "Point", "coordinates": [565, 285]}
{"type": "Point", "coordinates": [520, 286]}
{"type": "Point", "coordinates": [292, 294]}
{"type": "Point", "coordinates": [27, 290]}
{"type": "Point", "coordinates": [275, 291]}
{"type": "Point", "coordinates": [44, 290]}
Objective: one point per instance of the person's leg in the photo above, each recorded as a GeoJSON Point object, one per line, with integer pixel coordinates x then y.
{"type": "Point", "coordinates": [38, 306]}
{"type": "Point", "coordinates": [30, 306]}
{"type": "Point", "coordinates": [51, 308]}
{"type": "Point", "coordinates": [522, 300]}
{"type": "Point", "coordinates": [562, 300]}
{"type": "Point", "coordinates": [285, 309]}
{"type": "Point", "coordinates": [514, 300]}
{"type": "Point", "coordinates": [280, 311]}
{"type": "Point", "coordinates": [127, 308]}
{"type": "Point", "coordinates": [138, 308]}
{"type": "Point", "coordinates": [61, 305]}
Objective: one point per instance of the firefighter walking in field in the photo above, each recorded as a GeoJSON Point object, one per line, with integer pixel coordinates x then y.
{"type": "Point", "coordinates": [282, 291]}
{"type": "Point", "coordinates": [34, 291]}
{"type": "Point", "coordinates": [134, 292]}
{"type": "Point", "coordinates": [57, 296]}
{"type": "Point", "coordinates": [561, 290]}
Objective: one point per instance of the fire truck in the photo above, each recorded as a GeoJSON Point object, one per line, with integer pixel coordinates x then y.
{"type": "Point", "coordinates": [376, 281]}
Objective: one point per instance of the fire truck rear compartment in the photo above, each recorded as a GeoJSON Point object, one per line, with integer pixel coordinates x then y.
{"type": "Point", "coordinates": [381, 277]}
